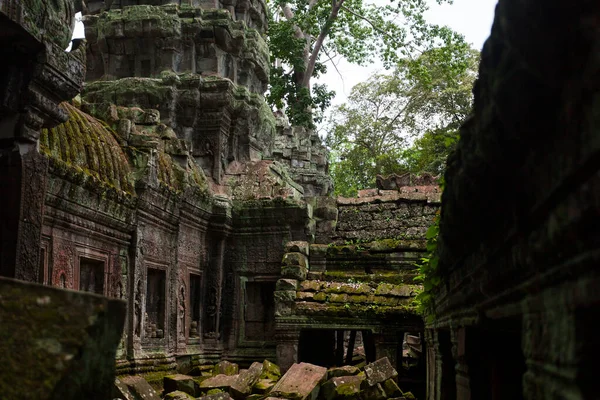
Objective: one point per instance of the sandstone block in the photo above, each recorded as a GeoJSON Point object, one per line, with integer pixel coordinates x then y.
{"type": "Point", "coordinates": [391, 388]}
{"type": "Point", "coordinates": [300, 382]}
{"type": "Point", "coordinates": [270, 371]}
{"type": "Point", "coordinates": [178, 395]}
{"type": "Point", "coordinates": [181, 383]}
{"type": "Point", "coordinates": [297, 246]}
{"type": "Point", "coordinates": [374, 392]}
{"type": "Point", "coordinates": [346, 370]}
{"type": "Point", "coordinates": [74, 360]}
{"type": "Point", "coordinates": [242, 386]}
{"type": "Point", "coordinates": [294, 259]}
{"type": "Point", "coordinates": [294, 272]}
{"type": "Point", "coordinates": [139, 388]}
{"type": "Point", "coordinates": [286, 284]}
{"type": "Point", "coordinates": [342, 387]}
{"type": "Point", "coordinates": [263, 386]}
{"type": "Point", "coordinates": [216, 396]}
{"type": "Point", "coordinates": [225, 368]}
{"type": "Point", "coordinates": [285, 296]}
{"type": "Point", "coordinates": [220, 381]}
{"type": "Point", "coordinates": [379, 371]}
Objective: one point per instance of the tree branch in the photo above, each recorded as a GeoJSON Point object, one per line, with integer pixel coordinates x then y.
{"type": "Point", "coordinates": [312, 60]}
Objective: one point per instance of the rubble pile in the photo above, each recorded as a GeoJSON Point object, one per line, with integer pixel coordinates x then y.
{"type": "Point", "coordinates": [263, 381]}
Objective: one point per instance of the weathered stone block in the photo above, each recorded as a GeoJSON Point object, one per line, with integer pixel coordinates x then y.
{"type": "Point", "coordinates": [346, 370]}
{"type": "Point", "coordinates": [318, 250]}
{"type": "Point", "coordinates": [263, 386]}
{"type": "Point", "coordinates": [242, 386]}
{"type": "Point", "coordinates": [74, 360]}
{"type": "Point", "coordinates": [294, 272]}
{"type": "Point", "coordinates": [391, 388]}
{"type": "Point", "coordinates": [300, 382]}
{"type": "Point", "coordinates": [270, 371]}
{"type": "Point", "coordinates": [178, 395]}
{"type": "Point", "coordinates": [139, 388]}
{"type": "Point", "coordinates": [379, 371]}
{"type": "Point", "coordinates": [327, 213]}
{"type": "Point", "coordinates": [298, 259]}
{"type": "Point", "coordinates": [286, 284]}
{"type": "Point", "coordinates": [297, 247]}
{"type": "Point", "coordinates": [310, 286]}
{"type": "Point", "coordinates": [216, 396]}
{"type": "Point", "coordinates": [226, 368]}
{"type": "Point", "coordinates": [342, 387]}
{"type": "Point", "coordinates": [220, 381]}
{"type": "Point", "coordinates": [180, 382]}
{"type": "Point", "coordinates": [375, 392]}
{"type": "Point", "coordinates": [285, 296]}
{"type": "Point", "coordinates": [308, 296]}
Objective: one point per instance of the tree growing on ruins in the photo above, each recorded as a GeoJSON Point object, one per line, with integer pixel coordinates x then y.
{"type": "Point", "coordinates": [402, 122]}
{"type": "Point", "coordinates": [305, 34]}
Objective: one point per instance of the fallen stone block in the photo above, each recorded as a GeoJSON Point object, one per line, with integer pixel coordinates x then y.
{"type": "Point", "coordinates": [379, 371]}
{"type": "Point", "coordinates": [346, 370]}
{"type": "Point", "coordinates": [57, 343]}
{"type": "Point", "coordinates": [270, 371]}
{"type": "Point", "coordinates": [300, 382]}
{"type": "Point", "coordinates": [225, 368]}
{"type": "Point", "coordinates": [242, 386]}
{"type": "Point", "coordinates": [178, 395]}
{"type": "Point", "coordinates": [220, 381]}
{"type": "Point", "coordinates": [374, 392]}
{"type": "Point", "coordinates": [342, 387]}
{"type": "Point", "coordinates": [121, 391]}
{"type": "Point", "coordinates": [263, 386]}
{"type": "Point", "coordinates": [391, 388]}
{"type": "Point", "coordinates": [140, 388]}
{"type": "Point", "coordinates": [180, 382]}
{"type": "Point", "coordinates": [216, 396]}
{"type": "Point", "coordinates": [201, 370]}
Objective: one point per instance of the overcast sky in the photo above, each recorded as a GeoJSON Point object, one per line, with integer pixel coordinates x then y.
{"type": "Point", "coordinates": [472, 18]}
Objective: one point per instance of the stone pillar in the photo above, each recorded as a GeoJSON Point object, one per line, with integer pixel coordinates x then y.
{"type": "Point", "coordinates": [38, 77]}
{"type": "Point", "coordinates": [430, 358]}
{"type": "Point", "coordinates": [287, 347]}
{"type": "Point", "coordinates": [386, 345]}
{"type": "Point", "coordinates": [459, 352]}
{"type": "Point", "coordinates": [23, 182]}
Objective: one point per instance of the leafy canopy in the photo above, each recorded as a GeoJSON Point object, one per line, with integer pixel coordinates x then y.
{"type": "Point", "coordinates": [402, 122]}
{"type": "Point", "coordinates": [305, 34]}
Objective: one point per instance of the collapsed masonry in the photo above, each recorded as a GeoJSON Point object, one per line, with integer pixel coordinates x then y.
{"type": "Point", "coordinates": [169, 184]}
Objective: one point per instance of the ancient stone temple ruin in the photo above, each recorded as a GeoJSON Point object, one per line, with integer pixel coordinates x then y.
{"type": "Point", "coordinates": [143, 170]}
{"type": "Point", "coordinates": [144, 165]}
{"type": "Point", "coordinates": [515, 315]}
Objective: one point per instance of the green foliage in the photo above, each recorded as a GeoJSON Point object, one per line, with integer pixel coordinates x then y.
{"type": "Point", "coordinates": [429, 275]}
{"type": "Point", "coordinates": [404, 122]}
{"type": "Point", "coordinates": [305, 34]}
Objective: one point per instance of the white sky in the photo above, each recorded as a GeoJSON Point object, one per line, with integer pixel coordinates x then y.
{"type": "Point", "coordinates": [472, 18]}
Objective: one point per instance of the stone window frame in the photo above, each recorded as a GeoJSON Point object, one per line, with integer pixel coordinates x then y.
{"type": "Point", "coordinates": [241, 340]}
{"type": "Point", "coordinates": [94, 255]}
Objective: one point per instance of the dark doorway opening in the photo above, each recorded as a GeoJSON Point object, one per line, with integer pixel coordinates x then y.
{"type": "Point", "coordinates": [496, 360]}
{"type": "Point", "coordinates": [448, 383]}
{"type": "Point", "coordinates": [195, 299]}
{"type": "Point", "coordinates": [91, 275]}
{"type": "Point", "coordinates": [336, 347]}
{"type": "Point", "coordinates": [155, 303]}
{"type": "Point", "coordinates": [259, 313]}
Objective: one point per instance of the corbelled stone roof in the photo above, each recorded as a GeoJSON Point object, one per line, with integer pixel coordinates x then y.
{"type": "Point", "coordinates": [89, 148]}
